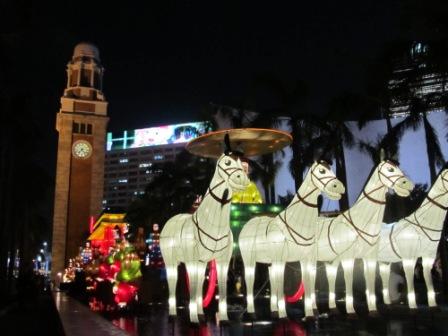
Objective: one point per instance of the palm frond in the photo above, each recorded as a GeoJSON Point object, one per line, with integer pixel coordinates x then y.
{"type": "Point", "coordinates": [370, 150]}
{"type": "Point", "coordinates": [433, 143]}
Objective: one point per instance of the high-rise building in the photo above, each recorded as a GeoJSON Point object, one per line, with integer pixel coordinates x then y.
{"type": "Point", "coordinates": [81, 123]}
{"type": "Point", "coordinates": [131, 155]}
{"type": "Point", "coordinates": [415, 76]}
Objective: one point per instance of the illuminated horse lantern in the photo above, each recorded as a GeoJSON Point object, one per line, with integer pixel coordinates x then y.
{"type": "Point", "coordinates": [198, 238]}
{"type": "Point", "coordinates": [288, 237]}
{"type": "Point", "coordinates": [415, 236]}
{"type": "Point", "coordinates": [355, 233]}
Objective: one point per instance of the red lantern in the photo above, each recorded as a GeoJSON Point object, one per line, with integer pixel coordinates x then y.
{"type": "Point", "coordinates": [125, 293]}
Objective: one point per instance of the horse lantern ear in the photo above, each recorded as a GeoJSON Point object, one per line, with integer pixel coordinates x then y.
{"type": "Point", "coordinates": [227, 149]}
{"type": "Point", "coordinates": [321, 155]}
{"type": "Point", "coordinates": [394, 157]}
{"type": "Point", "coordinates": [318, 154]}
{"type": "Point", "coordinates": [382, 154]}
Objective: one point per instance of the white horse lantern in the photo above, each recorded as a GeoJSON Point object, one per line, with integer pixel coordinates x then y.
{"type": "Point", "coordinates": [415, 236]}
{"type": "Point", "coordinates": [197, 238]}
{"type": "Point", "coordinates": [288, 237]}
{"type": "Point", "coordinates": [355, 233]}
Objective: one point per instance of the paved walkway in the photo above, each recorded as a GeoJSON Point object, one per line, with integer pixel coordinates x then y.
{"type": "Point", "coordinates": [31, 315]}
{"type": "Point", "coordinates": [79, 320]}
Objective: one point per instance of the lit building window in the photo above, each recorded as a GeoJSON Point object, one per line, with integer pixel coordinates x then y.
{"type": "Point", "coordinates": [123, 160]}
{"type": "Point", "coordinates": [123, 181]}
{"type": "Point", "coordinates": [104, 201]}
{"type": "Point", "coordinates": [145, 165]}
{"type": "Point", "coordinates": [158, 157]}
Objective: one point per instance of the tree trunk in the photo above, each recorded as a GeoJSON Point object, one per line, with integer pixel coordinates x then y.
{"type": "Point", "coordinates": [443, 253]}
{"type": "Point", "coordinates": [272, 189]}
{"type": "Point", "coordinates": [341, 174]}
{"type": "Point", "coordinates": [388, 123]}
{"type": "Point", "coordinates": [274, 175]}
{"type": "Point", "coordinates": [298, 177]}
{"type": "Point", "coordinates": [431, 157]}
{"type": "Point", "coordinates": [267, 195]}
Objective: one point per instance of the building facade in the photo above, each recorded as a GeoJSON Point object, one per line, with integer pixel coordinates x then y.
{"type": "Point", "coordinates": [131, 158]}
{"type": "Point", "coordinates": [415, 76]}
{"type": "Point", "coordinates": [81, 124]}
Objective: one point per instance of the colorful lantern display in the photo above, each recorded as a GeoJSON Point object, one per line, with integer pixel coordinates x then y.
{"type": "Point", "coordinates": [288, 237]}
{"type": "Point", "coordinates": [355, 233]}
{"type": "Point", "coordinates": [109, 228]}
{"type": "Point", "coordinates": [197, 238]}
{"type": "Point", "coordinates": [415, 236]}
{"type": "Point", "coordinates": [298, 234]}
{"type": "Point", "coordinates": [122, 268]}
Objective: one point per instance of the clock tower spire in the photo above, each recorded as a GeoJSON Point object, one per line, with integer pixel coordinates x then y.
{"type": "Point", "coordinates": [81, 123]}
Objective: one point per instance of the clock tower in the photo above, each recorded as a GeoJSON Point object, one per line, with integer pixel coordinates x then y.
{"type": "Point", "coordinates": [81, 123]}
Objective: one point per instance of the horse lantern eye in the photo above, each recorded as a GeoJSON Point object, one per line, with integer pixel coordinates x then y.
{"type": "Point", "coordinates": [321, 170]}
{"type": "Point", "coordinates": [227, 162]}
{"type": "Point", "coordinates": [390, 169]}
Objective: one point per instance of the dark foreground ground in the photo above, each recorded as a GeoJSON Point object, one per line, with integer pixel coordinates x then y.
{"type": "Point", "coordinates": [35, 313]}
{"type": "Point", "coordinates": [395, 321]}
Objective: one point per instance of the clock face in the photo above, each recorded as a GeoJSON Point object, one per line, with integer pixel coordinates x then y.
{"type": "Point", "coordinates": [82, 149]}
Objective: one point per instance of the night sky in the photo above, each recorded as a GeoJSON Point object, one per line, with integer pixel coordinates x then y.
{"type": "Point", "coordinates": [165, 61]}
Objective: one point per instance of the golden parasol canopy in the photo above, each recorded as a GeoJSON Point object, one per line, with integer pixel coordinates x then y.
{"type": "Point", "coordinates": [250, 141]}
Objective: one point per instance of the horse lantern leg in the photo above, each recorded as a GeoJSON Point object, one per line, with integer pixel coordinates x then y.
{"type": "Point", "coordinates": [200, 282]}
{"type": "Point", "coordinates": [248, 255]}
{"type": "Point", "coordinates": [409, 267]}
{"type": "Point", "coordinates": [171, 272]}
{"type": "Point", "coordinates": [249, 274]}
{"type": "Point", "coordinates": [370, 273]}
{"type": "Point", "coordinates": [312, 284]}
{"type": "Point", "coordinates": [273, 283]}
{"type": "Point", "coordinates": [307, 271]}
{"type": "Point", "coordinates": [347, 265]}
{"type": "Point", "coordinates": [278, 269]}
{"type": "Point", "coordinates": [331, 270]}
{"type": "Point", "coordinates": [385, 277]}
{"type": "Point", "coordinates": [427, 266]}
{"type": "Point", "coordinates": [222, 267]}
{"type": "Point", "coordinates": [192, 270]}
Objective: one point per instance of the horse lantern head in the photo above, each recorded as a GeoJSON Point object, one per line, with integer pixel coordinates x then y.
{"type": "Point", "coordinates": [230, 170]}
{"type": "Point", "coordinates": [325, 180]}
{"type": "Point", "coordinates": [392, 177]}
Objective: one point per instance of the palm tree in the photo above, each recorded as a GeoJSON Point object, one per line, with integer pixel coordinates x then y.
{"type": "Point", "coordinates": [335, 135]}
{"type": "Point", "coordinates": [173, 191]}
{"type": "Point", "coordinates": [265, 170]}
{"type": "Point", "coordinates": [412, 92]}
{"type": "Point", "coordinates": [417, 117]}
{"type": "Point", "coordinates": [383, 147]}
{"type": "Point", "coordinates": [275, 99]}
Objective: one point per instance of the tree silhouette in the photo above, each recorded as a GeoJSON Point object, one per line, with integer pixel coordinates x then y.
{"type": "Point", "coordinates": [335, 135]}
{"type": "Point", "coordinates": [172, 191]}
